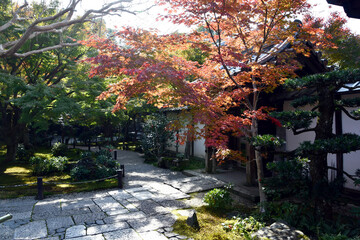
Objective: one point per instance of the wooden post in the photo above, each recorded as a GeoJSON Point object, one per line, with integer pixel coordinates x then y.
{"type": "Point", "coordinates": [40, 188]}
{"type": "Point", "coordinates": [119, 178]}
{"type": "Point", "coordinates": [122, 167]}
{"type": "Point", "coordinates": [115, 154]}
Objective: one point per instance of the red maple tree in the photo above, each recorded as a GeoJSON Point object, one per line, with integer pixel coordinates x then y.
{"type": "Point", "coordinates": [246, 44]}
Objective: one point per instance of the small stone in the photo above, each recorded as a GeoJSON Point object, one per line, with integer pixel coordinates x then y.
{"type": "Point", "coordinates": [168, 229]}
{"type": "Point", "coordinates": [192, 221]}
{"type": "Point", "coordinates": [161, 230]}
{"type": "Point", "coordinates": [173, 238]}
{"type": "Point", "coordinates": [181, 237]}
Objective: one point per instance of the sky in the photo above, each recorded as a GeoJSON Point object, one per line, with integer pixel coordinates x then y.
{"type": "Point", "coordinates": [147, 19]}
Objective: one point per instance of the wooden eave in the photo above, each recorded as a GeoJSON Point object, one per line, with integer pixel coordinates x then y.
{"type": "Point", "coordinates": [351, 7]}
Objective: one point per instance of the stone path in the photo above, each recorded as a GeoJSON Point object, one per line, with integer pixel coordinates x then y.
{"type": "Point", "coordinates": [142, 210]}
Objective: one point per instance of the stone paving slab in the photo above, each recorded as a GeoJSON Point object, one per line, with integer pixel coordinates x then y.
{"type": "Point", "coordinates": [93, 237]}
{"type": "Point", "coordinates": [108, 204]}
{"type": "Point", "coordinates": [150, 207]}
{"type": "Point", "coordinates": [32, 230]}
{"type": "Point", "coordinates": [75, 231]}
{"type": "Point", "coordinates": [124, 234]}
{"type": "Point", "coordinates": [58, 223]}
{"type": "Point", "coordinates": [107, 228]}
{"type": "Point", "coordinates": [153, 235]}
{"type": "Point", "coordinates": [88, 218]}
{"type": "Point", "coordinates": [124, 217]}
{"type": "Point", "coordinates": [152, 223]}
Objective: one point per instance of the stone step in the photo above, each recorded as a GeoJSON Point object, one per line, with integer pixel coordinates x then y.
{"type": "Point", "coordinates": [249, 193]}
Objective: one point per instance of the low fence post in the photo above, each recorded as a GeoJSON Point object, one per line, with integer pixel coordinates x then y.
{"type": "Point", "coordinates": [40, 189]}
{"type": "Point", "coordinates": [115, 154]}
{"type": "Point", "coordinates": [119, 178]}
{"type": "Point", "coordinates": [122, 167]}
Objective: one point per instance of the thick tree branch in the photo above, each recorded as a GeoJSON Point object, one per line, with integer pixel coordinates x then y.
{"type": "Point", "coordinates": [296, 132]}
{"type": "Point", "coordinates": [348, 113]}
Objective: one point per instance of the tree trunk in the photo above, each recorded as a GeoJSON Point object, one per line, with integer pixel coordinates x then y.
{"type": "Point", "coordinates": [259, 166]}
{"type": "Point", "coordinates": [10, 116]}
{"type": "Point", "coordinates": [324, 130]}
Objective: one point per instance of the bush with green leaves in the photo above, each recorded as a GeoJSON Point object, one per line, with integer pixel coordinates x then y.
{"type": "Point", "coordinates": [59, 149]}
{"type": "Point", "coordinates": [219, 198]}
{"type": "Point", "coordinates": [44, 166]}
{"type": "Point", "coordinates": [290, 178]}
{"type": "Point", "coordinates": [243, 226]}
{"type": "Point", "coordinates": [94, 166]}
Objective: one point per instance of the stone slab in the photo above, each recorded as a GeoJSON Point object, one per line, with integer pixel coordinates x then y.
{"type": "Point", "coordinates": [150, 207]}
{"type": "Point", "coordinates": [125, 234]}
{"type": "Point", "coordinates": [108, 204]}
{"type": "Point", "coordinates": [75, 231]}
{"type": "Point", "coordinates": [143, 195]}
{"type": "Point", "coordinates": [93, 237]}
{"type": "Point", "coordinates": [59, 222]}
{"type": "Point", "coordinates": [152, 223]}
{"type": "Point", "coordinates": [88, 218]}
{"type": "Point", "coordinates": [32, 230]}
{"type": "Point", "coordinates": [124, 217]}
{"type": "Point", "coordinates": [107, 228]}
{"type": "Point", "coordinates": [153, 235]}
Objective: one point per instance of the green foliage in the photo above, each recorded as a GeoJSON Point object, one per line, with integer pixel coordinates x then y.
{"type": "Point", "coordinates": [290, 178]}
{"type": "Point", "coordinates": [338, 144]}
{"type": "Point", "coordinates": [350, 102]}
{"type": "Point", "coordinates": [23, 154]}
{"type": "Point", "coordinates": [304, 100]}
{"type": "Point", "coordinates": [244, 226]}
{"type": "Point", "coordinates": [156, 137]}
{"type": "Point", "coordinates": [59, 149]}
{"type": "Point", "coordinates": [44, 166]}
{"type": "Point", "coordinates": [90, 167]}
{"type": "Point", "coordinates": [266, 141]}
{"type": "Point", "coordinates": [295, 119]}
{"type": "Point", "coordinates": [336, 79]}
{"type": "Point", "coordinates": [219, 198]}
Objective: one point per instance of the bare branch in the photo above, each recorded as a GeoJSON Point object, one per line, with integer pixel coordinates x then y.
{"type": "Point", "coordinates": [42, 25]}
{"type": "Point", "coordinates": [46, 49]}
{"type": "Point", "coordinates": [14, 19]}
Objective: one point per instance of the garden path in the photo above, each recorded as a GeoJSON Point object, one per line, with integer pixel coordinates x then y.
{"type": "Point", "coordinates": [141, 210]}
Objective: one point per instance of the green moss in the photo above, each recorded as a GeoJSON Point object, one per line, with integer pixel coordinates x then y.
{"type": "Point", "coordinates": [210, 226]}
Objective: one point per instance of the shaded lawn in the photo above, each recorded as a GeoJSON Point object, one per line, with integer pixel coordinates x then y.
{"type": "Point", "coordinates": [19, 173]}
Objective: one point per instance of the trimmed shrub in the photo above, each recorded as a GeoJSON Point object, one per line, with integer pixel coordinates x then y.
{"type": "Point", "coordinates": [219, 198]}
{"type": "Point", "coordinates": [44, 166]}
{"type": "Point", "coordinates": [90, 167]}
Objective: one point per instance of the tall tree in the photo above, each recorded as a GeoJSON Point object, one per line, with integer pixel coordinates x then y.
{"type": "Point", "coordinates": [32, 49]}
{"type": "Point", "coordinates": [245, 43]}
{"type": "Point", "coordinates": [321, 92]}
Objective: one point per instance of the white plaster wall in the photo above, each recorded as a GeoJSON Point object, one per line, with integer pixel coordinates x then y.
{"type": "Point", "coordinates": [293, 141]}
{"type": "Point", "coordinates": [199, 144]}
{"type": "Point", "coordinates": [351, 160]}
